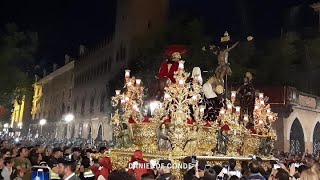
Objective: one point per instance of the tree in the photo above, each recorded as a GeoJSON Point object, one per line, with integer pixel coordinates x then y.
{"type": "Point", "coordinates": [16, 60]}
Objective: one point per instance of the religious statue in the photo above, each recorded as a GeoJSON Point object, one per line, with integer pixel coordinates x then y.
{"type": "Point", "coordinates": [196, 75]}
{"type": "Point", "coordinates": [265, 147]}
{"type": "Point", "coordinates": [212, 102]}
{"type": "Point", "coordinates": [124, 136]}
{"type": "Point", "coordinates": [223, 68]}
{"type": "Point", "coordinates": [222, 142]}
{"type": "Point", "coordinates": [192, 141]}
{"type": "Point", "coordinates": [247, 97]}
{"type": "Point", "coordinates": [164, 143]}
{"type": "Point", "coordinates": [168, 68]}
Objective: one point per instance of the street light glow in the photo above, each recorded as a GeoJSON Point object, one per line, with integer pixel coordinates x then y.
{"type": "Point", "coordinates": [6, 125]}
{"type": "Point", "coordinates": [42, 122]}
{"type": "Point", "coordinates": [69, 117]}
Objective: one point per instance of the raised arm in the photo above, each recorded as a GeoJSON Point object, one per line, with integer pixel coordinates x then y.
{"type": "Point", "coordinates": [233, 46]}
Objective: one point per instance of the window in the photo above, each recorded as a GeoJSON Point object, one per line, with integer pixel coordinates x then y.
{"type": "Point", "coordinates": [62, 94]}
{"type": "Point", "coordinates": [103, 97]}
{"type": "Point", "coordinates": [70, 93]}
{"type": "Point", "coordinates": [68, 108]}
{"type": "Point", "coordinates": [83, 103]}
{"type": "Point", "coordinates": [91, 104]}
{"type": "Point", "coordinates": [63, 108]}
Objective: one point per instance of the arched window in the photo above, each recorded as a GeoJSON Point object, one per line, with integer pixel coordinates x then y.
{"type": "Point", "coordinates": [83, 103]}
{"type": "Point", "coordinates": [89, 132]}
{"type": "Point", "coordinates": [99, 137]}
{"type": "Point", "coordinates": [91, 104]}
{"type": "Point", "coordinates": [72, 131]}
{"type": "Point", "coordinates": [296, 137]}
{"type": "Point", "coordinates": [316, 138]}
{"type": "Point", "coordinates": [103, 97]}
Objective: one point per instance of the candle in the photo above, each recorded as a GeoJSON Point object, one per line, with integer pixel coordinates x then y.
{"type": "Point", "coordinates": [256, 107]}
{"type": "Point", "coordinates": [181, 65]}
{"type": "Point", "coordinates": [129, 84]}
{"type": "Point", "coordinates": [268, 110]}
{"type": "Point", "coordinates": [122, 101]}
{"type": "Point", "coordinates": [126, 99]}
{"type": "Point", "coordinates": [235, 132]}
{"type": "Point", "coordinates": [138, 81]}
{"type": "Point", "coordinates": [181, 82]}
{"type": "Point", "coordinates": [127, 73]}
{"type": "Point", "coordinates": [238, 110]}
{"type": "Point", "coordinates": [233, 95]}
{"type": "Point", "coordinates": [229, 106]}
{"type": "Point", "coordinates": [270, 117]}
{"type": "Point", "coordinates": [166, 96]}
{"type": "Point", "coordinates": [222, 111]}
{"type": "Point", "coordinates": [260, 122]}
{"type": "Point", "coordinates": [262, 102]}
{"type": "Point", "coordinates": [118, 92]}
{"type": "Point", "coordinates": [260, 96]}
{"type": "Point", "coordinates": [201, 109]}
{"type": "Point", "coordinates": [194, 98]}
{"type": "Point", "coordinates": [245, 118]}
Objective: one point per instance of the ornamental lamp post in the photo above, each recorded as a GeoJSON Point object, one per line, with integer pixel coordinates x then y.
{"type": "Point", "coordinates": [42, 122]}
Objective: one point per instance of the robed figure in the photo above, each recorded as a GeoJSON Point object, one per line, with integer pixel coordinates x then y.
{"type": "Point", "coordinates": [168, 68]}
{"type": "Point", "coordinates": [247, 97]}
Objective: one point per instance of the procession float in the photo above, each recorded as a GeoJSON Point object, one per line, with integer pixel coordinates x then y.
{"type": "Point", "coordinates": [191, 118]}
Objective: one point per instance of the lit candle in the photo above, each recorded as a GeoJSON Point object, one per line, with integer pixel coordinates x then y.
{"type": "Point", "coordinates": [181, 82]}
{"type": "Point", "coordinates": [262, 102]}
{"type": "Point", "coordinates": [118, 92]}
{"type": "Point", "coordinates": [222, 111]}
{"type": "Point", "coordinates": [245, 118]}
{"type": "Point", "coordinates": [237, 110]}
{"type": "Point", "coordinates": [260, 96]}
{"type": "Point", "coordinates": [138, 82]}
{"type": "Point", "coordinates": [181, 65]}
{"type": "Point", "coordinates": [194, 98]}
{"type": "Point", "coordinates": [126, 99]}
{"type": "Point", "coordinates": [235, 132]}
{"type": "Point", "coordinates": [270, 118]}
{"type": "Point", "coordinates": [127, 73]}
{"type": "Point", "coordinates": [268, 111]}
{"type": "Point", "coordinates": [229, 106]}
{"type": "Point", "coordinates": [166, 96]}
{"type": "Point", "coordinates": [256, 107]}
{"type": "Point", "coordinates": [233, 95]}
{"type": "Point", "coordinates": [260, 122]}
{"type": "Point", "coordinates": [122, 101]}
{"type": "Point", "coordinates": [129, 84]}
{"type": "Point", "coordinates": [201, 110]}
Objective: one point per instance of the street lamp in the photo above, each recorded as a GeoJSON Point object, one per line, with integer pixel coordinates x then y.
{"type": "Point", "coordinates": [69, 117]}
{"type": "Point", "coordinates": [20, 125]}
{"type": "Point", "coordinates": [42, 122]}
{"type": "Point", "coordinates": [6, 125]}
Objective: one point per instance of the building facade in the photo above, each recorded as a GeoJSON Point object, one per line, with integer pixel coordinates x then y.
{"type": "Point", "coordinates": [52, 100]}
{"type": "Point", "coordinates": [298, 124]}
{"type": "Point", "coordinates": [21, 114]}
{"type": "Point", "coordinates": [91, 105]}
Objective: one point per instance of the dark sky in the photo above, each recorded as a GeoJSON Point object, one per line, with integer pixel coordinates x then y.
{"type": "Point", "coordinates": [64, 24]}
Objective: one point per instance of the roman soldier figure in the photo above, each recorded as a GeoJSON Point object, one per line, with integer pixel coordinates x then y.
{"type": "Point", "coordinates": [168, 68]}
{"type": "Point", "coordinates": [170, 65]}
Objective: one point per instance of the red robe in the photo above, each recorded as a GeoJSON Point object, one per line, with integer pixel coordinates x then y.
{"type": "Point", "coordinates": [104, 170]}
{"type": "Point", "coordinates": [138, 172]}
{"type": "Point", "coordinates": [165, 73]}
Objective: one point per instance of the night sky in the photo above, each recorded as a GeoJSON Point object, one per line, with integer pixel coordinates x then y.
{"type": "Point", "coordinates": [63, 25]}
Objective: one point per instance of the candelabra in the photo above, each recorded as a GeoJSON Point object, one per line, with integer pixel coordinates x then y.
{"type": "Point", "coordinates": [181, 103]}
{"type": "Point", "coordinates": [130, 100]}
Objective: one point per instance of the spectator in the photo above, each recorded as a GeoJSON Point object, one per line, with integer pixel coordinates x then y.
{"type": "Point", "coordinates": [67, 168]}
{"type": "Point", "coordinates": [282, 174]}
{"type": "Point", "coordinates": [165, 170]}
{"type": "Point", "coordinates": [17, 174]}
{"type": "Point", "coordinates": [120, 174]}
{"type": "Point", "coordinates": [254, 167]}
{"type": "Point", "coordinates": [309, 175]}
{"type": "Point", "coordinates": [147, 177]}
{"type": "Point", "coordinates": [7, 169]}
{"type": "Point", "coordinates": [6, 153]}
{"type": "Point", "coordinates": [209, 174]}
{"type": "Point", "coordinates": [23, 163]}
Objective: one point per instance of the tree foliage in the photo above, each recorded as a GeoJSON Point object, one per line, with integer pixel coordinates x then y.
{"type": "Point", "coordinates": [16, 58]}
